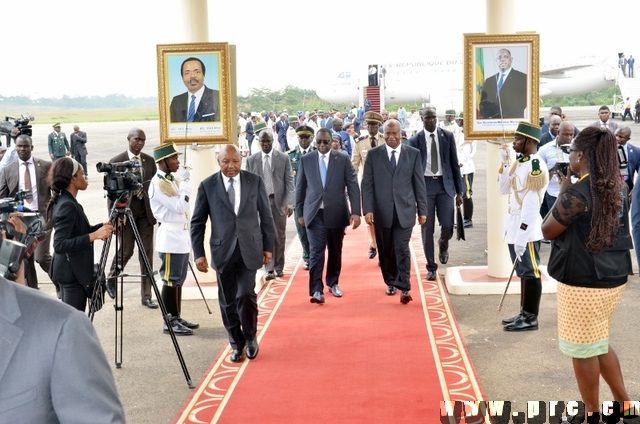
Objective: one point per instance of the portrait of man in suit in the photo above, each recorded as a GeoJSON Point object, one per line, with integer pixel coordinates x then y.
{"type": "Point", "coordinates": [29, 173]}
{"type": "Point", "coordinates": [393, 189]}
{"type": "Point", "coordinates": [200, 103]}
{"type": "Point", "coordinates": [321, 206]}
{"type": "Point", "coordinates": [504, 94]}
{"type": "Point", "coordinates": [274, 168]}
{"type": "Point", "coordinates": [241, 241]}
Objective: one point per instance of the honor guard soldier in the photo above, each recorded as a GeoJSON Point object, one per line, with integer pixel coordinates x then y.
{"type": "Point", "coordinates": [292, 136]}
{"type": "Point", "coordinates": [451, 125]}
{"type": "Point", "coordinates": [367, 141]}
{"type": "Point", "coordinates": [305, 138]}
{"type": "Point", "coordinates": [58, 144]}
{"type": "Point", "coordinates": [525, 182]}
{"type": "Point", "coordinates": [257, 129]}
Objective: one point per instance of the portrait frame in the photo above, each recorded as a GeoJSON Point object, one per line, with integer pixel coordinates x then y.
{"type": "Point", "coordinates": [489, 115]}
{"type": "Point", "coordinates": [212, 119]}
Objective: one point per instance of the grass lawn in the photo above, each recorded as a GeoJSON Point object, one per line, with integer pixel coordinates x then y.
{"type": "Point", "coordinates": [45, 115]}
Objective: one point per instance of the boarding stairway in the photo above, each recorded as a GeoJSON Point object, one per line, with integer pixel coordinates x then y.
{"type": "Point", "coordinates": [372, 92]}
{"type": "Point", "coordinates": [629, 87]}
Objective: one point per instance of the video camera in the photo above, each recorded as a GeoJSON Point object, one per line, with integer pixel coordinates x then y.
{"type": "Point", "coordinates": [22, 124]}
{"type": "Point", "coordinates": [562, 165]}
{"type": "Point", "coordinates": [120, 178]}
{"type": "Point", "coordinates": [20, 233]}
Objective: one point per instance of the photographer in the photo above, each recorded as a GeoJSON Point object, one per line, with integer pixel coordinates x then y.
{"type": "Point", "coordinates": [72, 265]}
{"type": "Point", "coordinates": [554, 157]}
{"type": "Point", "coordinates": [590, 259]}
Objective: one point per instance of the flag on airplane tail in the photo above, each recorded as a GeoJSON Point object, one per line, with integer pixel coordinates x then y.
{"type": "Point", "coordinates": [479, 78]}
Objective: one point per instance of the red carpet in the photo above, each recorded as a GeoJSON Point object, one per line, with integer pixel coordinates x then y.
{"type": "Point", "coordinates": [362, 358]}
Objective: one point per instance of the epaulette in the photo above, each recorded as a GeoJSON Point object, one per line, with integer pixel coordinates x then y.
{"type": "Point", "coordinates": [362, 137]}
{"type": "Point", "coordinates": [291, 151]}
{"type": "Point", "coordinates": [536, 180]}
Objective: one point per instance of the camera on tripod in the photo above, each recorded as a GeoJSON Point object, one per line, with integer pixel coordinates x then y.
{"type": "Point", "coordinates": [22, 124]}
{"type": "Point", "coordinates": [20, 233]}
{"type": "Point", "coordinates": [120, 178]}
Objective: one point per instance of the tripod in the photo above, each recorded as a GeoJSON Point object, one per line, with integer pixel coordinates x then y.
{"type": "Point", "coordinates": [119, 213]}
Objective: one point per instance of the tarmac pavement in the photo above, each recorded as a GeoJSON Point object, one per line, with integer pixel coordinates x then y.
{"type": "Point", "coordinates": [519, 367]}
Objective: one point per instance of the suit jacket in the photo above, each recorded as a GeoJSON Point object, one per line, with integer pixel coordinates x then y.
{"type": "Point", "coordinates": [10, 179]}
{"type": "Point", "coordinates": [281, 130]}
{"type": "Point", "coordinates": [403, 190]}
{"type": "Point", "coordinates": [149, 169]}
{"type": "Point", "coordinates": [79, 144]}
{"type": "Point", "coordinates": [73, 252]}
{"type": "Point", "coordinates": [513, 96]}
{"type": "Point", "coordinates": [281, 176]}
{"type": "Point", "coordinates": [310, 193]}
{"type": "Point", "coordinates": [613, 126]}
{"type": "Point", "coordinates": [252, 228]}
{"type": "Point", "coordinates": [52, 367]}
{"type": "Point", "coordinates": [451, 175]}
{"type": "Point", "coordinates": [249, 131]}
{"type": "Point", "coordinates": [208, 109]}
{"type": "Point", "coordinates": [546, 137]}
{"type": "Point", "coordinates": [633, 159]}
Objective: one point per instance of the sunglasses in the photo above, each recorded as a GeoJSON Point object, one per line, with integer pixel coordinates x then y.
{"type": "Point", "coordinates": [323, 141]}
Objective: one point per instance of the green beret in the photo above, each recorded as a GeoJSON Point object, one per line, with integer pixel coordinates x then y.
{"type": "Point", "coordinates": [164, 151]}
{"type": "Point", "coordinates": [304, 130]}
{"type": "Point", "coordinates": [529, 130]}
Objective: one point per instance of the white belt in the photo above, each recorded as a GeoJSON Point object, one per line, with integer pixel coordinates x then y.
{"type": "Point", "coordinates": [177, 225]}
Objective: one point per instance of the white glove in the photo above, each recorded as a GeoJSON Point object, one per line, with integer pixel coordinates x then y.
{"type": "Point", "coordinates": [519, 249]}
{"type": "Point", "coordinates": [504, 156]}
{"type": "Point", "coordinates": [183, 173]}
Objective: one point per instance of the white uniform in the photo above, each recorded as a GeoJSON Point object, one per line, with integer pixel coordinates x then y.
{"type": "Point", "coordinates": [454, 128]}
{"type": "Point", "coordinates": [525, 183]}
{"type": "Point", "coordinates": [170, 207]}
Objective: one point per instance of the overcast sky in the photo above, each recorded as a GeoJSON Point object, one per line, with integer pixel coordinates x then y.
{"type": "Point", "coordinates": [80, 47]}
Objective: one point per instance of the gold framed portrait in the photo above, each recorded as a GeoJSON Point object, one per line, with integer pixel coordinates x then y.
{"type": "Point", "coordinates": [502, 84]}
{"type": "Point", "coordinates": [194, 93]}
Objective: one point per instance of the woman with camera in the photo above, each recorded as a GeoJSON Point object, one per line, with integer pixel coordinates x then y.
{"type": "Point", "coordinates": [590, 259]}
{"type": "Point", "coordinates": [72, 264]}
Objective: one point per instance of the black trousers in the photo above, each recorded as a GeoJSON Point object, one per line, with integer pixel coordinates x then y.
{"type": "Point", "coordinates": [238, 300]}
{"type": "Point", "coordinates": [440, 205]}
{"type": "Point", "coordinates": [393, 252]}
{"type": "Point", "coordinates": [321, 238]}
{"type": "Point", "coordinates": [74, 295]}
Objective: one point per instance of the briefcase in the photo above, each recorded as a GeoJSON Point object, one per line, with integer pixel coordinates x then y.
{"type": "Point", "coordinates": [459, 224]}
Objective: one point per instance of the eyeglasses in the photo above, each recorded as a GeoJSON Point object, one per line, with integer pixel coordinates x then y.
{"type": "Point", "coordinates": [323, 141]}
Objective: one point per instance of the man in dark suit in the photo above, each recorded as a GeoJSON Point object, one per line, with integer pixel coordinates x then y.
{"type": "Point", "coordinates": [249, 130]}
{"type": "Point", "coordinates": [143, 216]}
{"type": "Point", "coordinates": [279, 186]}
{"type": "Point", "coordinates": [79, 147]}
{"type": "Point", "coordinates": [623, 135]}
{"type": "Point", "coordinates": [552, 132]}
{"type": "Point", "coordinates": [30, 173]}
{"type": "Point", "coordinates": [241, 241]}
{"type": "Point", "coordinates": [199, 103]}
{"type": "Point", "coordinates": [321, 206]}
{"type": "Point", "coordinates": [52, 367]}
{"type": "Point", "coordinates": [393, 189]}
{"type": "Point", "coordinates": [443, 181]}
{"type": "Point", "coordinates": [282, 126]}
{"type": "Point", "coordinates": [504, 95]}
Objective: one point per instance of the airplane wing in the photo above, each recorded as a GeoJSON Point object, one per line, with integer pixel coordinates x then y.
{"type": "Point", "coordinates": [562, 72]}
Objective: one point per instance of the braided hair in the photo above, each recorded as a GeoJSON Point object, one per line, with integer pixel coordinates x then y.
{"type": "Point", "coordinates": [599, 147]}
{"type": "Point", "coordinates": [58, 179]}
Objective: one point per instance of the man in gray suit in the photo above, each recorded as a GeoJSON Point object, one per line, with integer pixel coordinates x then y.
{"type": "Point", "coordinates": [79, 147]}
{"type": "Point", "coordinates": [13, 179]}
{"type": "Point", "coordinates": [241, 241]}
{"type": "Point", "coordinates": [275, 169]}
{"type": "Point", "coordinates": [321, 206]}
{"type": "Point", "coordinates": [52, 367]}
{"type": "Point", "coordinates": [393, 189]}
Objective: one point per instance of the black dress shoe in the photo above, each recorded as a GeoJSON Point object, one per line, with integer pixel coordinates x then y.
{"type": "Point", "coordinates": [252, 349]}
{"type": "Point", "coordinates": [467, 223]}
{"type": "Point", "coordinates": [111, 289]}
{"type": "Point", "coordinates": [317, 298]}
{"type": "Point", "coordinates": [236, 356]}
{"type": "Point", "coordinates": [444, 256]}
{"type": "Point", "coordinates": [432, 275]}
{"type": "Point", "coordinates": [188, 324]}
{"type": "Point", "coordinates": [270, 276]}
{"type": "Point", "coordinates": [507, 321]}
{"type": "Point", "coordinates": [178, 329]}
{"type": "Point", "coordinates": [372, 252]}
{"type": "Point", "coordinates": [525, 322]}
{"type": "Point", "coordinates": [405, 297]}
{"type": "Point", "coordinates": [278, 274]}
{"type": "Point", "coordinates": [150, 303]}
{"type": "Point", "coordinates": [391, 290]}
{"type": "Point", "coordinates": [335, 290]}
{"type": "Point", "coordinates": [306, 266]}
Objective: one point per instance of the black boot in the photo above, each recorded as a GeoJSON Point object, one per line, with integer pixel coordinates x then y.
{"type": "Point", "coordinates": [507, 321]}
{"type": "Point", "coordinates": [181, 320]}
{"type": "Point", "coordinates": [178, 329]}
{"type": "Point", "coordinates": [467, 205]}
{"type": "Point", "coordinates": [532, 295]}
{"type": "Point", "coordinates": [525, 322]}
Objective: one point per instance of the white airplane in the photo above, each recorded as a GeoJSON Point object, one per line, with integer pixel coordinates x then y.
{"type": "Point", "coordinates": [440, 82]}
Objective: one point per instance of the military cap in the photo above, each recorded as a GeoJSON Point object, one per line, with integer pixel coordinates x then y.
{"type": "Point", "coordinates": [529, 130]}
{"type": "Point", "coordinates": [450, 112]}
{"type": "Point", "coordinates": [293, 120]}
{"type": "Point", "coordinates": [372, 116]}
{"type": "Point", "coordinates": [304, 130]}
{"type": "Point", "coordinates": [312, 114]}
{"type": "Point", "coordinates": [320, 112]}
{"type": "Point", "coordinates": [259, 127]}
{"type": "Point", "coordinates": [164, 151]}
{"type": "Point", "coordinates": [57, 124]}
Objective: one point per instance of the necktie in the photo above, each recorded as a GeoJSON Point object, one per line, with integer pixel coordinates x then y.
{"type": "Point", "coordinates": [304, 151]}
{"type": "Point", "coordinates": [373, 142]}
{"type": "Point", "coordinates": [434, 155]}
{"type": "Point", "coordinates": [393, 161]}
{"type": "Point", "coordinates": [323, 170]}
{"type": "Point", "coordinates": [500, 84]}
{"type": "Point", "coordinates": [27, 179]}
{"type": "Point", "coordinates": [231, 192]}
{"type": "Point", "coordinates": [139, 192]}
{"type": "Point", "coordinates": [266, 174]}
{"type": "Point", "coordinates": [192, 108]}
